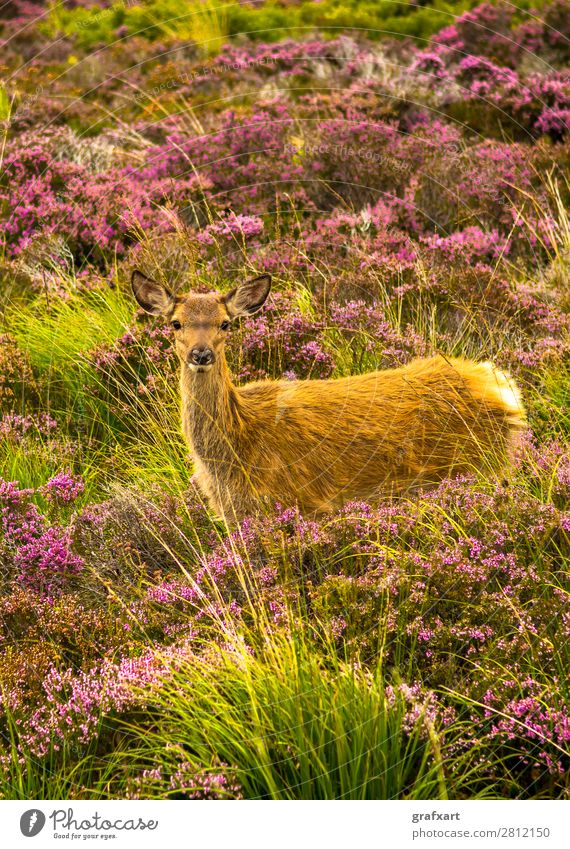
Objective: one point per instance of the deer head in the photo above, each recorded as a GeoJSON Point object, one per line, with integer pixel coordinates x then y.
{"type": "Point", "coordinates": [200, 322]}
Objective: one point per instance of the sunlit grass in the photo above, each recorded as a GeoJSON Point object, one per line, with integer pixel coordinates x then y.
{"type": "Point", "coordinates": [293, 728]}
{"type": "Point", "coordinates": [32, 461]}
{"type": "Point", "coordinates": [135, 442]}
{"type": "Point", "coordinates": [58, 334]}
{"type": "Point", "coordinates": [285, 723]}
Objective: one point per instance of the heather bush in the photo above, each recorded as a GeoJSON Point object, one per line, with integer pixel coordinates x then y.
{"type": "Point", "coordinates": [456, 603]}
{"type": "Point", "coordinates": [42, 194]}
{"type": "Point", "coordinates": [488, 548]}
{"type": "Point", "coordinates": [484, 31]}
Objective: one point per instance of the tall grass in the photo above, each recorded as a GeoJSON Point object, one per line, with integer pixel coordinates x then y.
{"type": "Point", "coordinates": [293, 727]}
{"type": "Point", "coordinates": [131, 442]}
{"type": "Point", "coordinates": [285, 723]}
{"type": "Point", "coordinates": [58, 333]}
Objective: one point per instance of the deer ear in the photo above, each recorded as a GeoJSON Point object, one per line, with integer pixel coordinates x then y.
{"type": "Point", "coordinates": [151, 296]}
{"type": "Point", "coordinates": [249, 297]}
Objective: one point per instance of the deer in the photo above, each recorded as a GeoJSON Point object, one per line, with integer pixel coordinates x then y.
{"type": "Point", "coordinates": [318, 444]}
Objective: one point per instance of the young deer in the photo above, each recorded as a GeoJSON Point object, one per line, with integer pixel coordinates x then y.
{"type": "Point", "coordinates": [320, 443]}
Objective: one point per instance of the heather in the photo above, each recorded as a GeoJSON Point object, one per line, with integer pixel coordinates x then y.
{"type": "Point", "coordinates": [403, 173]}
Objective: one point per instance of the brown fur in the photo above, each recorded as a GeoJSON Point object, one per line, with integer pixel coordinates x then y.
{"type": "Point", "coordinates": [320, 443]}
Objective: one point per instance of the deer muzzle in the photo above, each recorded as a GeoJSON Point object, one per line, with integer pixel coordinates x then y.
{"type": "Point", "coordinates": [201, 358]}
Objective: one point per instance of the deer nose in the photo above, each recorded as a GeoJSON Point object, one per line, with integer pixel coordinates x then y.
{"type": "Point", "coordinates": [201, 356]}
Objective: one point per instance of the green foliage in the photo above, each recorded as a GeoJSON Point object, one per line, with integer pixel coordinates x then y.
{"type": "Point", "coordinates": [103, 406]}
{"type": "Point", "coordinates": [5, 105]}
{"type": "Point", "coordinates": [72, 773]}
{"type": "Point", "coordinates": [57, 334]}
{"type": "Point", "coordinates": [210, 24]}
{"type": "Point", "coordinates": [291, 725]}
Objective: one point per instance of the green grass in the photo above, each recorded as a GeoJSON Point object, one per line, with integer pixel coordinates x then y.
{"type": "Point", "coordinates": [57, 334]}
{"type": "Point", "coordinates": [553, 402]}
{"type": "Point", "coordinates": [123, 438]}
{"type": "Point", "coordinates": [32, 461]}
{"type": "Point", "coordinates": [209, 25]}
{"type": "Point", "coordinates": [65, 774]}
{"type": "Point", "coordinates": [287, 723]}
{"type": "Point", "coordinates": [293, 727]}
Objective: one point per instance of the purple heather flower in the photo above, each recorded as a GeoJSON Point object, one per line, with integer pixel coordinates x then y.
{"type": "Point", "coordinates": [63, 487]}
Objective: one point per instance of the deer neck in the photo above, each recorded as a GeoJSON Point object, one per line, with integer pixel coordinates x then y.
{"type": "Point", "coordinates": [211, 411]}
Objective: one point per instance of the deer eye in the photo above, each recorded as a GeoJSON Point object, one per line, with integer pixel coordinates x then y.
{"type": "Point", "coordinates": [176, 324]}
{"type": "Point", "coordinates": [225, 325]}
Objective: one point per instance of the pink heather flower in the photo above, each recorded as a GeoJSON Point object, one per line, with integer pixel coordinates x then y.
{"type": "Point", "coordinates": [554, 121]}
{"type": "Point", "coordinates": [234, 227]}
{"type": "Point", "coordinates": [15, 426]}
{"type": "Point", "coordinates": [63, 487]}
{"type": "Point", "coordinates": [430, 62]}
{"type": "Point", "coordinates": [46, 563]}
